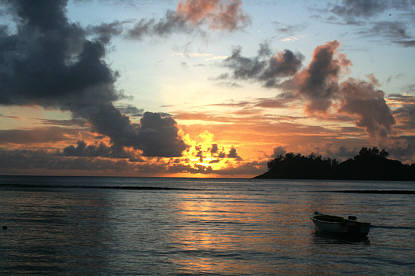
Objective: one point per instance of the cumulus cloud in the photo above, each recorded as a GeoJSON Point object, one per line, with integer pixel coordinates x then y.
{"type": "Point", "coordinates": [50, 62]}
{"type": "Point", "coordinates": [318, 83]}
{"type": "Point", "coordinates": [361, 99]}
{"type": "Point", "coordinates": [265, 67]}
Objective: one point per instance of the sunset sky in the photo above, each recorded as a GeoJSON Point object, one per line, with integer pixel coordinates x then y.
{"type": "Point", "coordinates": [201, 88]}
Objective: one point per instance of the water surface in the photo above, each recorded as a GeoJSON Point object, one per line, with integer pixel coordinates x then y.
{"type": "Point", "coordinates": [57, 225]}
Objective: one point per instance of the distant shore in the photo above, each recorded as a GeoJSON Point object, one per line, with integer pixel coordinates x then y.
{"type": "Point", "coordinates": [368, 164]}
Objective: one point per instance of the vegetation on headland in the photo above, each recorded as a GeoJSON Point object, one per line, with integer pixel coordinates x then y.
{"type": "Point", "coordinates": [368, 164]}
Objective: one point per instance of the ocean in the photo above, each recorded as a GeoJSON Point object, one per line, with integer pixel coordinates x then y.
{"type": "Point", "coordinates": [179, 226]}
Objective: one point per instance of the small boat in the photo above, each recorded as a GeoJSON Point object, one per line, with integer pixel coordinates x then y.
{"type": "Point", "coordinates": [341, 226]}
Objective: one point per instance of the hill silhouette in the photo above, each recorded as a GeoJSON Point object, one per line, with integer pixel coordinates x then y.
{"type": "Point", "coordinates": [368, 164]}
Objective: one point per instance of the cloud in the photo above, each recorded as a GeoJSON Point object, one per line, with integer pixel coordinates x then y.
{"type": "Point", "coordinates": [50, 62]}
{"type": "Point", "coordinates": [350, 9]}
{"type": "Point", "coordinates": [248, 168]}
{"type": "Point", "coordinates": [318, 83]}
{"type": "Point", "coordinates": [170, 23]}
{"type": "Point", "coordinates": [97, 150]}
{"type": "Point", "coordinates": [233, 154]}
{"type": "Point", "coordinates": [405, 113]}
{"type": "Point", "coordinates": [130, 110]}
{"type": "Point", "coordinates": [43, 161]}
{"type": "Point", "coordinates": [36, 135]}
{"type": "Point", "coordinates": [106, 31]}
{"type": "Point", "coordinates": [361, 99]}
{"type": "Point", "coordinates": [366, 14]}
{"type": "Point", "coordinates": [319, 87]}
{"type": "Point", "coordinates": [225, 15]}
{"type": "Point", "coordinates": [290, 30]}
{"type": "Point", "coordinates": [158, 136]}
{"type": "Point", "coordinates": [219, 14]}
{"type": "Point", "coordinates": [405, 43]}
{"type": "Point", "coordinates": [66, 123]}
{"type": "Point", "coordinates": [265, 67]}
{"type": "Point", "coordinates": [394, 30]}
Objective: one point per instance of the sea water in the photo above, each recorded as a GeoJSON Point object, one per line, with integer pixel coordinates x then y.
{"type": "Point", "coordinates": [162, 226]}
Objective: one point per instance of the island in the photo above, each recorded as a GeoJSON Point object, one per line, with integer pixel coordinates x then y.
{"type": "Point", "coordinates": [368, 164]}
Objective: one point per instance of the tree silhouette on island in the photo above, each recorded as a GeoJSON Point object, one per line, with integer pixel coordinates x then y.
{"type": "Point", "coordinates": [369, 164]}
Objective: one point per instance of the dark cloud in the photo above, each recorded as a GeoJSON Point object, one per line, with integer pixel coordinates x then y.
{"type": "Point", "coordinates": [394, 30]}
{"type": "Point", "coordinates": [319, 87]}
{"type": "Point", "coordinates": [97, 150]}
{"type": "Point", "coordinates": [29, 160]}
{"type": "Point", "coordinates": [106, 31]}
{"type": "Point", "coordinates": [264, 68]}
{"type": "Point", "coordinates": [402, 148]}
{"type": "Point", "coordinates": [182, 168]}
{"type": "Point", "coordinates": [158, 136]}
{"type": "Point", "coordinates": [66, 123]}
{"type": "Point", "coordinates": [350, 9]}
{"type": "Point", "coordinates": [50, 62]}
{"type": "Point", "coordinates": [233, 154]}
{"type": "Point", "coordinates": [130, 110]}
{"type": "Point", "coordinates": [361, 99]}
{"type": "Point", "coordinates": [318, 83]}
{"type": "Point", "coordinates": [364, 12]}
{"type": "Point", "coordinates": [406, 43]}
{"type": "Point", "coordinates": [44, 162]}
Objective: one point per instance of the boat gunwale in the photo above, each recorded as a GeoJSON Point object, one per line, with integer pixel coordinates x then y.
{"type": "Point", "coordinates": [340, 222]}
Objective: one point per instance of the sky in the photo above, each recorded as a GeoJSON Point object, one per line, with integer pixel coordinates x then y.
{"type": "Point", "coordinates": [201, 88]}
